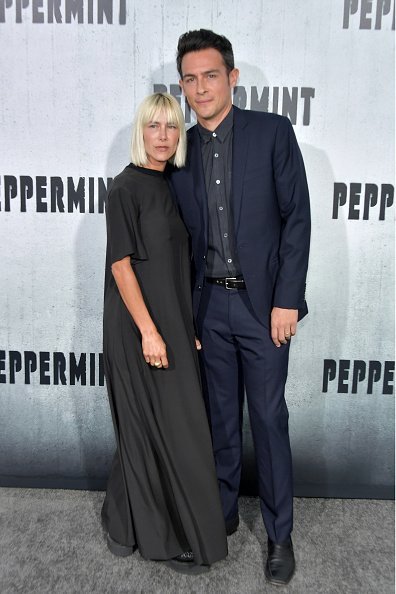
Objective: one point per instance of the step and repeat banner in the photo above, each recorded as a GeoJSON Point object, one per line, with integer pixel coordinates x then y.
{"type": "Point", "coordinates": [72, 74]}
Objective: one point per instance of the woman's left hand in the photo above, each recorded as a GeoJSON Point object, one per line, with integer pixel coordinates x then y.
{"type": "Point", "coordinates": [198, 344]}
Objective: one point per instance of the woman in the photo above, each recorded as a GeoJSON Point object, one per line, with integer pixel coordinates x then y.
{"type": "Point", "coordinates": [162, 495]}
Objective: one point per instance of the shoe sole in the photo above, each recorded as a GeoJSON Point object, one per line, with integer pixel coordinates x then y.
{"type": "Point", "coordinates": [275, 582]}
{"type": "Point", "coordinates": [186, 567]}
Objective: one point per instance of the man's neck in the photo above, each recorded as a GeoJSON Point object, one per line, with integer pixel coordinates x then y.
{"type": "Point", "coordinates": [212, 124]}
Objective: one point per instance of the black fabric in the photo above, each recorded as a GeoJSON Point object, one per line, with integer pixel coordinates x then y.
{"type": "Point", "coordinates": [162, 493]}
{"type": "Point", "coordinates": [216, 148]}
{"type": "Point", "coordinates": [228, 283]}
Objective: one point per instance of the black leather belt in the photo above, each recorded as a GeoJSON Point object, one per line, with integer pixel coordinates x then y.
{"type": "Point", "coordinates": [229, 282]}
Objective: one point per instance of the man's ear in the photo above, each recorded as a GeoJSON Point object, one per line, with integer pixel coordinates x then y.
{"type": "Point", "coordinates": [233, 77]}
{"type": "Point", "coordinates": [181, 86]}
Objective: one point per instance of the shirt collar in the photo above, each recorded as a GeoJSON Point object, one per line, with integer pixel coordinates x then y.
{"type": "Point", "coordinates": [222, 130]}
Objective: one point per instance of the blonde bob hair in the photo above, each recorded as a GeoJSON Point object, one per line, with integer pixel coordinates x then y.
{"type": "Point", "coordinates": [147, 112]}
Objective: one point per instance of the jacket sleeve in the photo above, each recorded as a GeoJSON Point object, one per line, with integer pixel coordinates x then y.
{"type": "Point", "coordinates": [123, 229]}
{"type": "Point", "coordinates": [293, 199]}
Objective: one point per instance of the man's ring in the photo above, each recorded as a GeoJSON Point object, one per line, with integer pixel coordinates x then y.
{"type": "Point", "coordinates": [157, 363]}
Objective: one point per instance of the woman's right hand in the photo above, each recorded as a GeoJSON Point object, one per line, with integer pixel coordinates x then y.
{"type": "Point", "coordinates": [154, 350]}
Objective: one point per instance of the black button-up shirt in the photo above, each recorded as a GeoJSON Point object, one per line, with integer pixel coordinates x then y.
{"type": "Point", "coordinates": [216, 147]}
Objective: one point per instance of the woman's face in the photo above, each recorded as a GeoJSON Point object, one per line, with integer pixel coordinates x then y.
{"type": "Point", "coordinates": [160, 141]}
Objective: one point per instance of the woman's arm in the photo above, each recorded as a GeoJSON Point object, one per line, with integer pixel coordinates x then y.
{"type": "Point", "coordinates": [154, 348]}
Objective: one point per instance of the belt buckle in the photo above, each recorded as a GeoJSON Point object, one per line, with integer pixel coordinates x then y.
{"type": "Point", "coordinates": [229, 278]}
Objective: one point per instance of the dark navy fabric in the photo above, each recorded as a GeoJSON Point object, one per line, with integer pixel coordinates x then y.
{"type": "Point", "coordinates": [270, 205]}
{"type": "Point", "coordinates": [237, 350]}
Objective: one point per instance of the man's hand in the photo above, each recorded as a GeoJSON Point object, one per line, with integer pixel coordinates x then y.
{"type": "Point", "coordinates": [283, 325]}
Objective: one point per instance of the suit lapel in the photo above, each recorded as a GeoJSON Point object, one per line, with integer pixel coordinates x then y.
{"type": "Point", "coordinates": [239, 157]}
{"type": "Point", "coordinates": [198, 177]}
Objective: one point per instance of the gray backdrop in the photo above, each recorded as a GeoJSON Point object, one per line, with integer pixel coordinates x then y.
{"type": "Point", "coordinates": [72, 75]}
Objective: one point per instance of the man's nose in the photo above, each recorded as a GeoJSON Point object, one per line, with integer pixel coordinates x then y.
{"type": "Point", "coordinates": [201, 87]}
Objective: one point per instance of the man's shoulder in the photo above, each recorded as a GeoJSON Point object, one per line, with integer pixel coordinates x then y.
{"type": "Point", "coordinates": [249, 115]}
{"type": "Point", "coordinates": [252, 121]}
{"type": "Point", "coordinates": [260, 118]}
{"type": "Point", "coordinates": [191, 131]}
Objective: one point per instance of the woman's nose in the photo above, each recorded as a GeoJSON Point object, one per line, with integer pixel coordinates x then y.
{"type": "Point", "coordinates": [163, 132]}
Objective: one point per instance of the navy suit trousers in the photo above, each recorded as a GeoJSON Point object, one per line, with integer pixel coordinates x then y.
{"type": "Point", "coordinates": [238, 354]}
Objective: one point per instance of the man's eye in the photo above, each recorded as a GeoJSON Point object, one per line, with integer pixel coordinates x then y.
{"type": "Point", "coordinates": [189, 80]}
{"type": "Point", "coordinates": [211, 76]}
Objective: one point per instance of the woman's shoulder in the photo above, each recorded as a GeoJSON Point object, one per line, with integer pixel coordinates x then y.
{"type": "Point", "coordinates": [124, 184]}
{"type": "Point", "coordinates": [124, 178]}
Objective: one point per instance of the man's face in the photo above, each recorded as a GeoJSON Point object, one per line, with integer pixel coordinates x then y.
{"type": "Point", "coordinates": [207, 85]}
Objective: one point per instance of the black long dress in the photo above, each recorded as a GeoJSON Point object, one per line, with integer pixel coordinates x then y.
{"type": "Point", "coordinates": [162, 495]}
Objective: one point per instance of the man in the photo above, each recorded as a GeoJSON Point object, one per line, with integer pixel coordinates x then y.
{"type": "Point", "coordinates": [244, 199]}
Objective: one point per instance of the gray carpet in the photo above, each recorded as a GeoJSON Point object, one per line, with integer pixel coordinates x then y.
{"type": "Point", "coordinates": [52, 541]}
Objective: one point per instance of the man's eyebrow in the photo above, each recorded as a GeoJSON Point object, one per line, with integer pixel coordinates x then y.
{"type": "Point", "coordinates": [212, 71]}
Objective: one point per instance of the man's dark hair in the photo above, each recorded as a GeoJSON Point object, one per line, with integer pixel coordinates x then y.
{"type": "Point", "coordinates": [193, 41]}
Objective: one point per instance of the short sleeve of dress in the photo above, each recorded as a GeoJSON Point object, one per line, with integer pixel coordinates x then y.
{"type": "Point", "coordinates": [123, 232]}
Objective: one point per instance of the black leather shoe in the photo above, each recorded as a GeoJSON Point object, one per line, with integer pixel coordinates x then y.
{"type": "Point", "coordinates": [280, 565]}
{"type": "Point", "coordinates": [232, 525]}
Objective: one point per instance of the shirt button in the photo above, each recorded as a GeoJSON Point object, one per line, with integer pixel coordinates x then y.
{"type": "Point", "coordinates": [225, 235]}
{"type": "Point", "coordinates": [229, 260]}
{"type": "Point", "coordinates": [220, 208]}
{"type": "Point", "coordinates": [214, 134]}
{"type": "Point", "coordinates": [216, 155]}
{"type": "Point", "coordinates": [217, 181]}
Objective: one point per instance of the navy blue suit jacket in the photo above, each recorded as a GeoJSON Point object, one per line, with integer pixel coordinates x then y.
{"type": "Point", "coordinates": [270, 203]}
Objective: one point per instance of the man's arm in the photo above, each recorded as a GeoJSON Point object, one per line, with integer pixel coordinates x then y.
{"type": "Point", "coordinates": [293, 199]}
